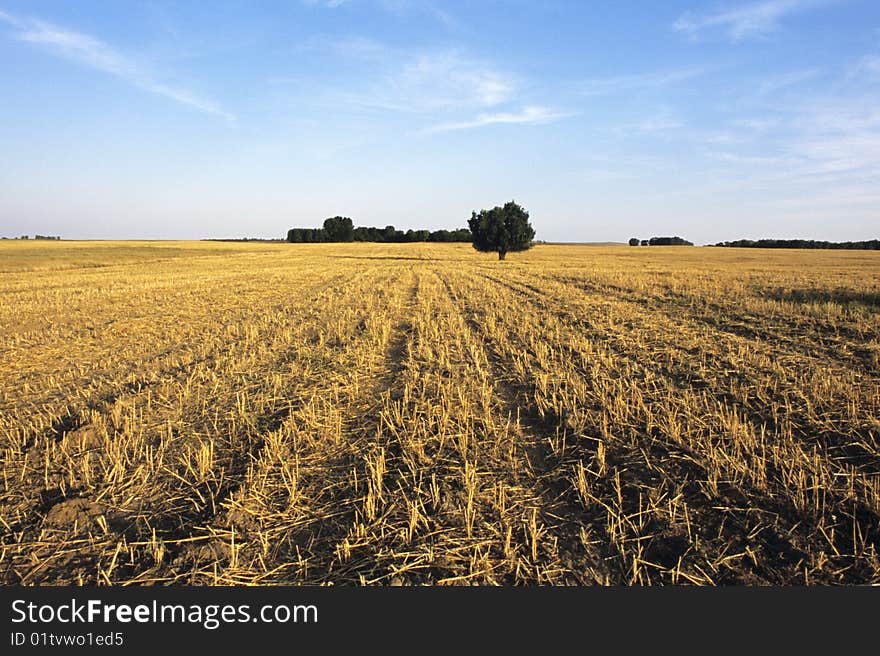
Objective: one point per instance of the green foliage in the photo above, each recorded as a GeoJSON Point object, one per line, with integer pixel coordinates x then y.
{"type": "Point", "coordinates": [869, 245]}
{"type": "Point", "coordinates": [669, 241]}
{"type": "Point", "coordinates": [339, 228]}
{"type": "Point", "coordinates": [501, 229]}
{"type": "Point", "coordinates": [306, 235]}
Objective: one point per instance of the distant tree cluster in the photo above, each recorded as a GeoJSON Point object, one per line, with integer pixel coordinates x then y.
{"type": "Point", "coordinates": [669, 241]}
{"type": "Point", "coordinates": [341, 229]}
{"type": "Point", "coordinates": [660, 241]}
{"type": "Point", "coordinates": [870, 245]}
{"type": "Point", "coordinates": [306, 235]}
{"type": "Point", "coordinates": [53, 238]}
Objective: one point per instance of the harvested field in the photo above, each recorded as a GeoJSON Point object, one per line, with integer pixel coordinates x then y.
{"type": "Point", "coordinates": [260, 414]}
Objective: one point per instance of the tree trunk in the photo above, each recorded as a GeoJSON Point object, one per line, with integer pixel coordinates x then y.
{"type": "Point", "coordinates": [502, 255]}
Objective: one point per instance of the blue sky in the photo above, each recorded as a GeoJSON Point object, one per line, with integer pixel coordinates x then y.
{"type": "Point", "coordinates": [606, 120]}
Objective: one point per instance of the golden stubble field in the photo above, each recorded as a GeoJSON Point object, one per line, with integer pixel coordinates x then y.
{"type": "Point", "coordinates": [218, 413]}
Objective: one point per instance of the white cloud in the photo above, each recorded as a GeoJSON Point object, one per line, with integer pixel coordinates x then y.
{"type": "Point", "coordinates": [757, 125]}
{"type": "Point", "coordinates": [356, 47]}
{"type": "Point", "coordinates": [751, 160]}
{"type": "Point", "coordinates": [778, 82]}
{"type": "Point", "coordinates": [398, 8]}
{"type": "Point", "coordinates": [842, 152]}
{"type": "Point", "coordinates": [661, 124]}
{"type": "Point", "coordinates": [92, 52]}
{"type": "Point", "coordinates": [413, 81]}
{"type": "Point", "coordinates": [450, 79]}
{"type": "Point", "coordinates": [870, 64]}
{"type": "Point", "coordinates": [430, 85]}
{"type": "Point", "coordinates": [823, 147]}
{"type": "Point", "coordinates": [757, 19]}
{"type": "Point", "coordinates": [527, 116]}
{"type": "Point", "coordinates": [9, 18]}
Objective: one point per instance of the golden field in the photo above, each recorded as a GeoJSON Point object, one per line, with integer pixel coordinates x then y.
{"type": "Point", "coordinates": [252, 413]}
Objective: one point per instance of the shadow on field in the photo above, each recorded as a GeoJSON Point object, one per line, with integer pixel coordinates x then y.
{"type": "Point", "coordinates": [841, 295]}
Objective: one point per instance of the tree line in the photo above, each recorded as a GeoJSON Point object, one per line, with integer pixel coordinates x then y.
{"type": "Point", "coordinates": [502, 229]}
{"type": "Point", "coordinates": [48, 237]}
{"type": "Point", "coordinates": [341, 229]}
{"type": "Point", "coordinates": [870, 245]}
{"type": "Point", "coordinates": [660, 241]}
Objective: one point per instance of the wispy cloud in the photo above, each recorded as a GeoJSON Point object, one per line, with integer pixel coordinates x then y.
{"type": "Point", "coordinates": [661, 124]}
{"type": "Point", "coordinates": [825, 144]}
{"type": "Point", "coordinates": [754, 20]}
{"type": "Point", "coordinates": [423, 7]}
{"type": "Point", "coordinates": [840, 139]}
{"type": "Point", "coordinates": [870, 64]}
{"type": "Point", "coordinates": [396, 7]}
{"type": "Point", "coordinates": [776, 83]}
{"type": "Point", "coordinates": [354, 47]}
{"type": "Point", "coordinates": [329, 4]}
{"type": "Point", "coordinates": [431, 86]}
{"type": "Point", "coordinates": [454, 77]}
{"type": "Point", "coordinates": [527, 116]}
{"type": "Point", "coordinates": [752, 160]}
{"type": "Point", "coordinates": [414, 82]}
{"type": "Point", "coordinates": [94, 53]}
{"type": "Point", "coordinates": [624, 83]}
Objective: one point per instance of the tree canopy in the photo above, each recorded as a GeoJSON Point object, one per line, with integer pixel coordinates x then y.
{"type": "Point", "coordinates": [501, 229]}
{"type": "Point", "coordinates": [339, 228]}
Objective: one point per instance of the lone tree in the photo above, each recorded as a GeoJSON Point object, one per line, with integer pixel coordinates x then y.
{"type": "Point", "coordinates": [339, 228]}
{"type": "Point", "coordinates": [634, 241]}
{"type": "Point", "coordinates": [501, 229]}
